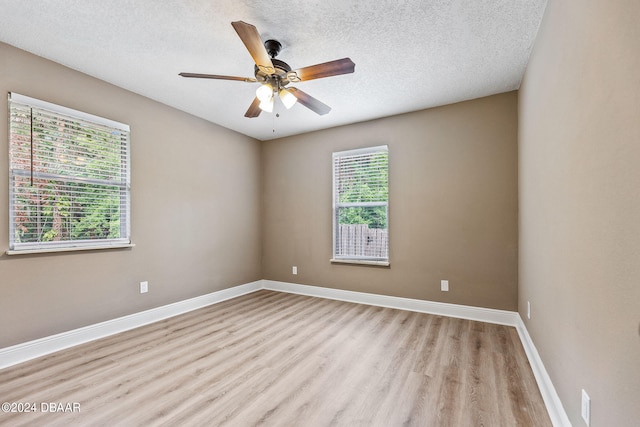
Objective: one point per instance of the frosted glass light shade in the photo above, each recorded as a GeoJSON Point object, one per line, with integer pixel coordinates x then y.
{"type": "Point", "coordinates": [287, 98]}
{"type": "Point", "coordinates": [264, 92]}
{"type": "Point", "coordinates": [267, 105]}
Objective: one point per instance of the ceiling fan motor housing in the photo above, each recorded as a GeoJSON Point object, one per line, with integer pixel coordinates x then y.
{"type": "Point", "coordinates": [278, 78]}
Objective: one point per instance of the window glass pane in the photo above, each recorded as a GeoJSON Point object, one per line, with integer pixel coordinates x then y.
{"type": "Point", "coordinates": [361, 194]}
{"type": "Point", "coordinates": [362, 233]}
{"type": "Point", "coordinates": [362, 178]}
{"type": "Point", "coordinates": [55, 210]}
{"type": "Point", "coordinates": [69, 178]}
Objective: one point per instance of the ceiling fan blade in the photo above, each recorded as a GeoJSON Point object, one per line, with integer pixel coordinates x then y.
{"type": "Point", "coordinates": [309, 101]}
{"type": "Point", "coordinates": [216, 76]}
{"type": "Point", "coordinates": [251, 39]}
{"type": "Point", "coordinates": [326, 69]}
{"type": "Point", "coordinates": [254, 109]}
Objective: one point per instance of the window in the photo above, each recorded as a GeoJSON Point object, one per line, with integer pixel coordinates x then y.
{"type": "Point", "coordinates": [361, 206]}
{"type": "Point", "coordinates": [68, 179]}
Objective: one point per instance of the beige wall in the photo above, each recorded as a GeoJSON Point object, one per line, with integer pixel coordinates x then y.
{"type": "Point", "coordinates": [453, 205]}
{"type": "Point", "coordinates": [579, 136]}
{"type": "Point", "coordinates": [195, 212]}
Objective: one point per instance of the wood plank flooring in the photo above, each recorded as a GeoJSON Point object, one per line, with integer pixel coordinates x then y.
{"type": "Point", "coordinates": [278, 359]}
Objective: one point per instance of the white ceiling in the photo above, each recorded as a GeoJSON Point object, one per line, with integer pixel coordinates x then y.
{"type": "Point", "coordinates": [409, 54]}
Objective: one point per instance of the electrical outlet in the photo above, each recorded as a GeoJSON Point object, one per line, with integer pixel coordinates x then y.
{"type": "Point", "coordinates": [444, 285]}
{"type": "Point", "coordinates": [528, 310]}
{"type": "Point", "coordinates": [586, 407]}
{"type": "Point", "coordinates": [294, 270]}
{"type": "Point", "coordinates": [144, 287]}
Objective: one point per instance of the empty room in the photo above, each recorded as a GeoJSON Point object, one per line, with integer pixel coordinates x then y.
{"type": "Point", "coordinates": [411, 213]}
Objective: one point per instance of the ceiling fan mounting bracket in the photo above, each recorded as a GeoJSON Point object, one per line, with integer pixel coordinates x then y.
{"type": "Point", "coordinates": [273, 47]}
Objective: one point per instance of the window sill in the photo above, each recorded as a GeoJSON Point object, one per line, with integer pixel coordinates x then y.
{"type": "Point", "coordinates": [360, 262]}
{"type": "Point", "coordinates": [73, 249]}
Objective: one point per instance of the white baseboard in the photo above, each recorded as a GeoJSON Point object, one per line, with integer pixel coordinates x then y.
{"type": "Point", "coordinates": [551, 399]}
{"type": "Point", "coordinates": [501, 317]}
{"type": "Point", "coordinates": [30, 350]}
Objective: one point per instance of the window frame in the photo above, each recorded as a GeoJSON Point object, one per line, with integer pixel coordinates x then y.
{"type": "Point", "coordinates": [336, 206]}
{"type": "Point", "coordinates": [91, 122]}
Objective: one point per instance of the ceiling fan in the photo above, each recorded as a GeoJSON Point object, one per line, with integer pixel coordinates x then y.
{"type": "Point", "coordinates": [274, 74]}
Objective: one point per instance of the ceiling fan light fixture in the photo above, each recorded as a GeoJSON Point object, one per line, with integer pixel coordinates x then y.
{"type": "Point", "coordinates": [267, 105]}
{"type": "Point", "coordinates": [287, 98]}
{"type": "Point", "coordinates": [264, 92]}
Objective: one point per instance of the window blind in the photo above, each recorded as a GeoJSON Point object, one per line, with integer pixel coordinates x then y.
{"type": "Point", "coordinates": [361, 204]}
{"type": "Point", "coordinates": [69, 177]}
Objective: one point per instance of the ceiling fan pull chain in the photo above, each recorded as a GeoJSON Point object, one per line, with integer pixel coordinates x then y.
{"type": "Point", "coordinates": [276, 115]}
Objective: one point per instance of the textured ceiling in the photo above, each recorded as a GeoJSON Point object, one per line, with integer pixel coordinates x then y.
{"type": "Point", "coordinates": [409, 55]}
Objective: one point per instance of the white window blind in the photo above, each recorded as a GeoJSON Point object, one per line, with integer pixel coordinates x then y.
{"type": "Point", "coordinates": [361, 205]}
{"type": "Point", "coordinates": [68, 177]}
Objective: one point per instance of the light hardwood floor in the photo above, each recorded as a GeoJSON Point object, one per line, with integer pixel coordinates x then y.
{"type": "Point", "coordinates": [280, 359]}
